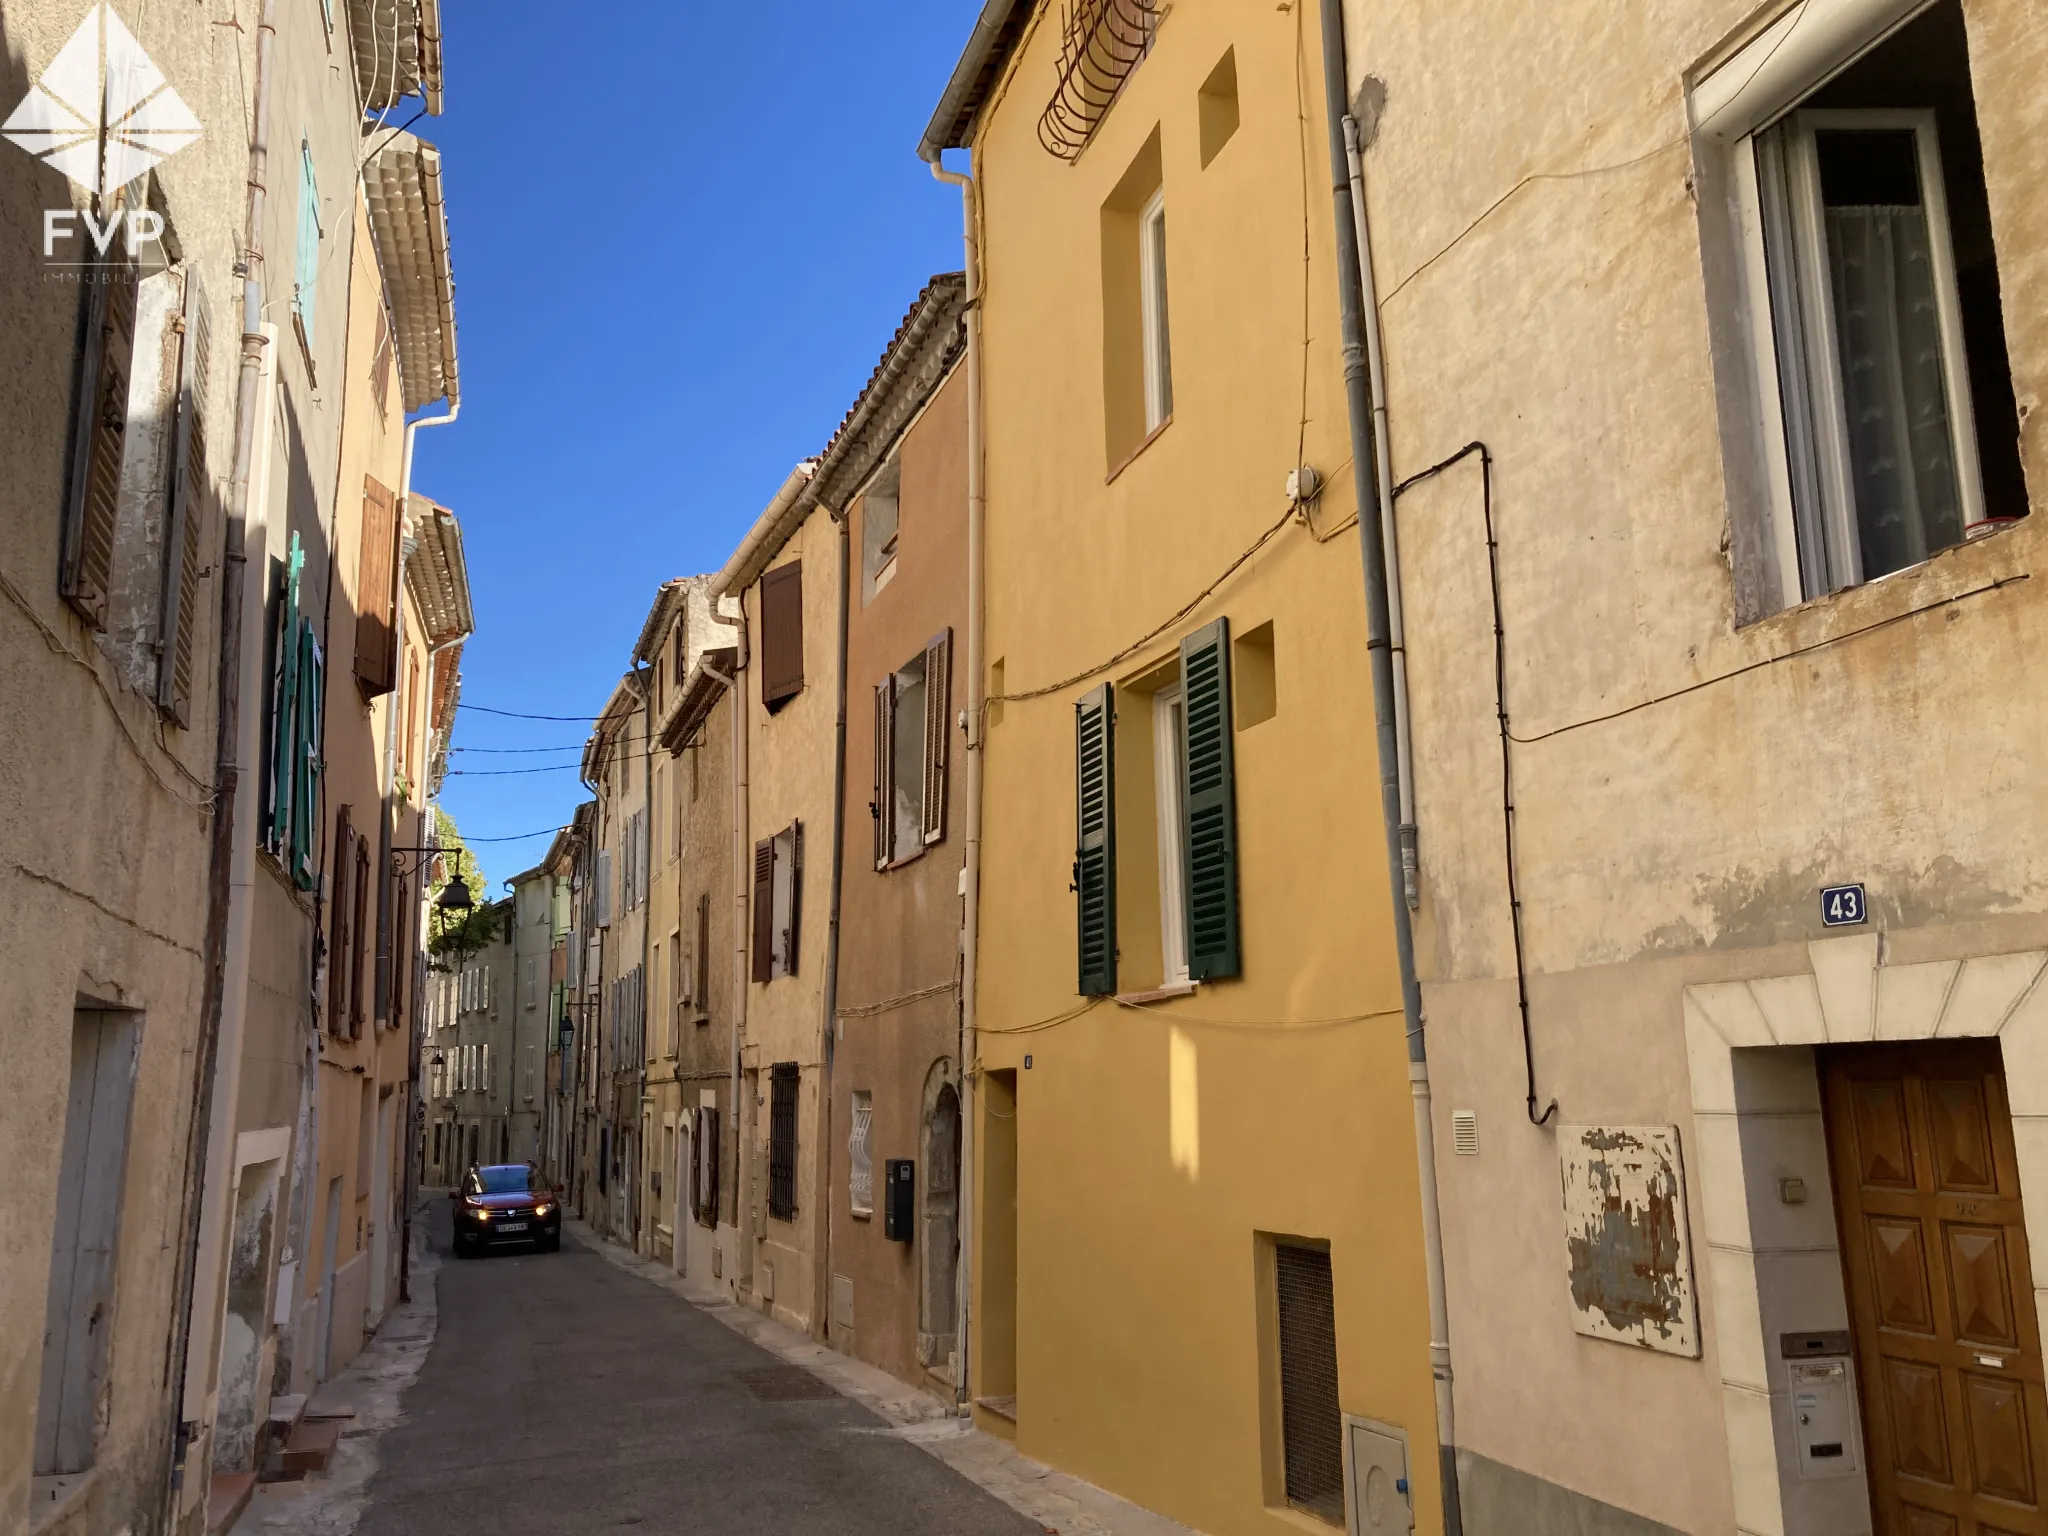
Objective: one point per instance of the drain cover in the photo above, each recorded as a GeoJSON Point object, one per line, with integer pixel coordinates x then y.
{"type": "Point", "coordinates": [785, 1384]}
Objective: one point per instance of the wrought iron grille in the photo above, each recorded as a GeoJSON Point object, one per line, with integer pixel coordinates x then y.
{"type": "Point", "coordinates": [1101, 42]}
{"type": "Point", "coordinates": [782, 1085]}
{"type": "Point", "coordinates": [1312, 1433]}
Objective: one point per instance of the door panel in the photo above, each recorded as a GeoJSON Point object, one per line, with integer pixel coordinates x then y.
{"type": "Point", "coordinates": [1940, 1290]}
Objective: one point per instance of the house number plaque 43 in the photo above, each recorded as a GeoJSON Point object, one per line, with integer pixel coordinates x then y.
{"type": "Point", "coordinates": [1842, 906]}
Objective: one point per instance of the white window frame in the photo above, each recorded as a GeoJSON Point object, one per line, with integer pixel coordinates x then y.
{"type": "Point", "coordinates": [1169, 735]}
{"type": "Point", "coordinates": [1153, 310]}
{"type": "Point", "coordinates": [1796, 212]}
{"type": "Point", "coordinates": [1733, 107]}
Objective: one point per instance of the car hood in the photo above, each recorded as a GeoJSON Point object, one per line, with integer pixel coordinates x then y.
{"type": "Point", "coordinates": [523, 1198]}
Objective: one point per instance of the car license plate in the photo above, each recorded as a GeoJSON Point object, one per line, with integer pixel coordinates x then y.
{"type": "Point", "coordinates": [511, 1226]}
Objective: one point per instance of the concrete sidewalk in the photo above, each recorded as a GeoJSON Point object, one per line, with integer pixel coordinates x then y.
{"type": "Point", "coordinates": [373, 1389]}
{"type": "Point", "coordinates": [1058, 1502]}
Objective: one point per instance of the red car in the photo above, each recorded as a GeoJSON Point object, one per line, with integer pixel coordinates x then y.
{"type": "Point", "coordinates": [505, 1203]}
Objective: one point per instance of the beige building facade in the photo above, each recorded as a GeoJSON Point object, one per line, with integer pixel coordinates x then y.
{"type": "Point", "coordinates": [787, 577]}
{"type": "Point", "coordinates": [898, 469]}
{"type": "Point", "coordinates": [1741, 302]}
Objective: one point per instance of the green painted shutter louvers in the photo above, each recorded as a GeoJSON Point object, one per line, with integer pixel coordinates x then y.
{"type": "Point", "coordinates": [1095, 840]}
{"type": "Point", "coordinates": [284, 702]}
{"type": "Point", "coordinates": [1209, 804]}
{"type": "Point", "coordinates": [306, 757]}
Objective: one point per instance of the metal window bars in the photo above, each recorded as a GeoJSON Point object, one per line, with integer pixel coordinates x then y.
{"type": "Point", "coordinates": [1101, 42]}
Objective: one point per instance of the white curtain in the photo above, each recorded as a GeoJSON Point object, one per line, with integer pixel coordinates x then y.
{"type": "Point", "coordinates": [1888, 328]}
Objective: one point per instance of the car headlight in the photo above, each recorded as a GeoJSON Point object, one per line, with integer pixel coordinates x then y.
{"type": "Point", "coordinates": [478, 1213]}
{"type": "Point", "coordinates": [544, 1209]}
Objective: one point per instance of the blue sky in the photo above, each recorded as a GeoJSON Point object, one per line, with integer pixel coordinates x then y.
{"type": "Point", "coordinates": [681, 234]}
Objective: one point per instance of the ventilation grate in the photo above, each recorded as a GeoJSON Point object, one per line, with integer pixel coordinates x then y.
{"type": "Point", "coordinates": [1312, 1424]}
{"type": "Point", "coordinates": [1465, 1132]}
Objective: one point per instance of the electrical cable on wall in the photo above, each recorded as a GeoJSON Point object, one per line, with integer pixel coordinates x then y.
{"type": "Point", "coordinates": [1507, 779]}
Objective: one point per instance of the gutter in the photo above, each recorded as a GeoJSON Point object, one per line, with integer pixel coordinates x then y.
{"type": "Point", "coordinates": [975, 59]}
{"type": "Point", "coordinates": [771, 530]}
{"type": "Point", "coordinates": [973, 722]}
{"type": "Point", "coordinates": [1389, 712]}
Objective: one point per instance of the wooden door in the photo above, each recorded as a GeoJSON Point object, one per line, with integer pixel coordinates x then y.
{"type": "Point", "coordinates": [1927, 1192]}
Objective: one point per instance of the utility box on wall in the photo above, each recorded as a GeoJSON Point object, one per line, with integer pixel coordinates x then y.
{"type": "Point", "coordinates": [899, 1199]}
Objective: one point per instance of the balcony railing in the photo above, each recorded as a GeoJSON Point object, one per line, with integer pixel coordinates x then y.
{"type": "Point", "coordinates": [1102, 41]}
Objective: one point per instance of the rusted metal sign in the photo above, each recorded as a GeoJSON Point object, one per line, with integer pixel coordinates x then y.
{"type": "Point", "coordinates": [1625, 1236]}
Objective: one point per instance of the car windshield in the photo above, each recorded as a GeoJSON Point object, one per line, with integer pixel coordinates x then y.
{"type": "Point", "coordinates": [503, 1181]}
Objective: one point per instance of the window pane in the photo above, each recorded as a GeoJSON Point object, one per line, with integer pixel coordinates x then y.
{"type": "Point", "coordinates": [908, 760]}
{"type": "Point", "coordinates": [1888, 328]}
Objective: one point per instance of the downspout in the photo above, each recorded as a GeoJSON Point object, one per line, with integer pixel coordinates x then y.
{"type": "Point", "coordinates": [223, 910]}
{"type": "Point", "coordinates": [1383, 485]}
{"type": "Point", "coordinates": [822, 1260]}
{"type": "Point", "coordinates": [415, 1108]}
{"type": "Point", "coordinates": [646, 944]}
{"type": "Point", "coordinates": [973, 721]}
{"type": "Point", "coordinates": [740, 897]}
{"type": "Point", "coordinates": [1388, 714]}
{"type": "Point", "coordinates": [385, 839]}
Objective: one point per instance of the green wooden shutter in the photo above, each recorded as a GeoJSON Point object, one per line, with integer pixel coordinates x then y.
{"type": "Point", "coordinates": [1209, 803]}
{"type": "Point", "coordinates": [1095, 840]}
{"type": "Point", "coordinates": [284, 703]}
{"type": "Point", "coordinates": [306, 758]}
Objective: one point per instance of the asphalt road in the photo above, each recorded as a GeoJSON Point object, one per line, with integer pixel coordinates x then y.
{"type": "Point", "coordinates": [565, 1395]}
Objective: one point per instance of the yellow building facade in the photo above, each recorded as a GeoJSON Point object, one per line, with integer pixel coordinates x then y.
{"type": "Point", "coordinates": [1198, 1258]}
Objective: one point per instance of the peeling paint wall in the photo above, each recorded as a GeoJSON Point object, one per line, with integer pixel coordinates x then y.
{"type": "Point", "coordinates": [1625, 1236]}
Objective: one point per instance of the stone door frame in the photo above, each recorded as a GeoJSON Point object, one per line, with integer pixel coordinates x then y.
{"type": "Point", "coordinates": [1752, 1092]}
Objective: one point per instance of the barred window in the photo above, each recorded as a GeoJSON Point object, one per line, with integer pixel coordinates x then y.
{"type": "Point", "coordinates": [782, 1083]}
{"type": "Point", "coordinates": [1312, 1425]}
{"type": "Point", "coordinates": [860, 1153]}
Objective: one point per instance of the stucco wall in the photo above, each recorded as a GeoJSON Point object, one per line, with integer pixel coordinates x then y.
{"type": "Point", "coordinates": [900, 928]}
{"type": "Point", "coordinates": [790, 776]}
{"type": "Point", "coordinates": [103, 837]}
{"type": "Point", "coordinates": [1138, 1352]}
{"type": "Point", "coordinates": [1683, 787]}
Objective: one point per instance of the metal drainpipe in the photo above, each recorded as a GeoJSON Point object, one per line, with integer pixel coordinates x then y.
{"type": "Point", "coordinates": [1390, 543]}
{"type": "Point", "coordinates": [741, 869]}
{"type": "Point", "coordinates": [415, 1108]}
{"type": "Point", "coordinates": [646, 939]}
{"type": "Point", "coordinates": [973, 722]}
{"type": "Point", "coordinates": [396, 697]}
{"type": "Point", "coordinates": [1379, 645]}
{"type": "Point", "coordinates": [822, 1262]}
{"type": "Point", "coordinates": [227, 752]}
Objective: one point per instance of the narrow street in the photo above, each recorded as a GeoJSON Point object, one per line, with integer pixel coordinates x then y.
{"type": "Point", "coordinates": [562, 1394]}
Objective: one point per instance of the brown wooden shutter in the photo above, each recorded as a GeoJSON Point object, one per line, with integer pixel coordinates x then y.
{"type": "Point", "coordinates": [377, 593]}
{"type": "Point", "coordinates": [702, 991]}
{"type": "Point", "coordinates": [359, 926]}
{"type": "Point", "coordinates": [99, 440]}
{"type": "Point", "coordinates": [938, 721]}
{"type": "Point", "coordinates": [884, 805]}
{"type": "Point", "coordinates": [764, 909]}
{"type": "Point", "coordinates": [341, 942]}
{"type": "Point", "coordinates": [782, 633]}
{"type": "Point", "coordinates": [185, 537]}
{"type": "Point", "coordinates": [794, 938]}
